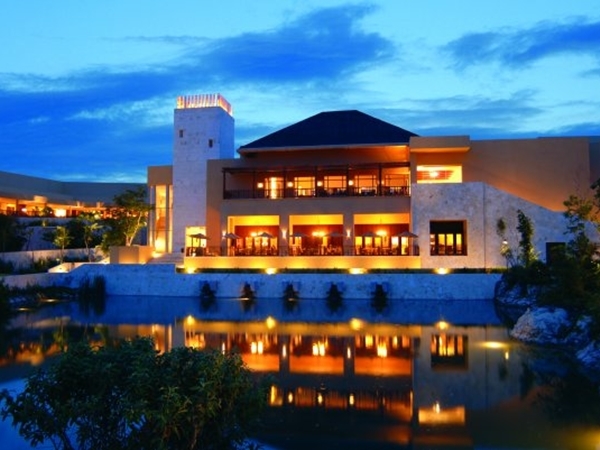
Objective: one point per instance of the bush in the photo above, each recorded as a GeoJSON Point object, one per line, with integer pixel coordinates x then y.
{"type": "Point", "coordinates": [128, 396]}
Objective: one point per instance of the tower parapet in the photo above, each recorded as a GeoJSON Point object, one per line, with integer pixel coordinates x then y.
{"type": "Point", "coordinates": [204, 101]}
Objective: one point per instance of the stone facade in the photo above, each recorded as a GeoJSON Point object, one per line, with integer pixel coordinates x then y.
{"type": "Point", "coordinates": [200, 134]}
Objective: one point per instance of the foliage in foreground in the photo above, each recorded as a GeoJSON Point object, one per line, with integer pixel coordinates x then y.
{"type": "Point", "coordinates": [571, 280]}
{"type": "Point", "coordinates": [130, 397]}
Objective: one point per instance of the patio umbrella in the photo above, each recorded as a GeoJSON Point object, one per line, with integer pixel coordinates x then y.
{"type": "Point", "coordinates": [408, 234]}
{"type": "Point", "coordinates": [298, 234]}
{"type": "Point", "coordinates": [198, 236]}
{"type": "Point", "coordinates": [368, 234]}
{"type": "Point", "coordinates": [264, 234]}
{"type": "Point", "coordinates": [232, 236]}
{"type": "Point", "coordinates": [335, 234]}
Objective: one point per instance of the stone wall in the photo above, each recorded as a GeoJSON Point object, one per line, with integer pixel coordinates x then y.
{"type": "Point", "coordinates": [480, 206]}
{"type": "Point", "coordinates": [162, 280]}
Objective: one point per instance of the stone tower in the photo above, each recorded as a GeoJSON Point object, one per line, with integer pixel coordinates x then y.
{"type": "Point", "coordinates": [203, 129]}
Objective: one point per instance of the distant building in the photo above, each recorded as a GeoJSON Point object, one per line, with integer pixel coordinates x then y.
{"type": "Point", "coordinates": [343, 189]}
{"type": "Point", "coordinates": [28, 196]}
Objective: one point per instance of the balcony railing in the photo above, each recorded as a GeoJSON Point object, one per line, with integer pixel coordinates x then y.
{"type": "Point", "coordinates": [351, 191]}
{"type": "Point", "coordinates": [347, 250]}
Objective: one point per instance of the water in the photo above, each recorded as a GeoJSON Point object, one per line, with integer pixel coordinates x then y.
{"type": "Point", "coordinates": [424, 375]}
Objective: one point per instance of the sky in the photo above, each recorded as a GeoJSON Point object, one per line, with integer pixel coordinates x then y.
{"type": "Point", "coordinates": [88, 88]}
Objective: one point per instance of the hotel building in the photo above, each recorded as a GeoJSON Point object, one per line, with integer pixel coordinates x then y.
{"type": "Point", "coordinates": [343, 189]}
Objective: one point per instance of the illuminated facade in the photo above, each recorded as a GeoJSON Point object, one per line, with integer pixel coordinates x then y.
{"type": "Point", "coordinates": [346, 190]}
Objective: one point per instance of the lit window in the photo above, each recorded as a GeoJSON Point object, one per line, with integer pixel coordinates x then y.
{"type": "Point", "coordinates": [449, 350]}
{"type": "Point", "coordinates": [439, 174]}
{"type": "Point", "coordinates": [447, 238]}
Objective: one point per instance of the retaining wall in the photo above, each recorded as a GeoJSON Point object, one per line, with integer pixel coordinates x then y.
{"type": "Point", "coordinates": [162, 280]}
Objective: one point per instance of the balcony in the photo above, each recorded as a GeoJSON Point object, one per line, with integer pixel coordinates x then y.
{"type": "Point", "coordinates": [350, 191]}
{"type": "Point", "coordinates": [334, 181]}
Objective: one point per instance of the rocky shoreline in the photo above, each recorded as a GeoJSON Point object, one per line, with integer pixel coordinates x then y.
{"type": "Point", "coordinates": [548, 326]}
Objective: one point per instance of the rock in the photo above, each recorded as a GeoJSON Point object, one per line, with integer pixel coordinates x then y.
{"type": "Point", "coordinates": [544, 326]}
{"type": "Point", "coordinates": [512, 296]}
{"type": "Point", "coordinates": [589, 356]}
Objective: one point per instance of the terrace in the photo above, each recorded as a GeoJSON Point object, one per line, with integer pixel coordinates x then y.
{"type": "Point", "coordinates": [357, 180]}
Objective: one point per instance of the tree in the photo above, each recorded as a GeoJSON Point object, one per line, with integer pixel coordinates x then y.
{"type": "Point", "coordinates": [527, 254]}
{"type": "Point", "coordinates": [85, 231]}
{"type": "Point", "coordinates": [127, 216]}
{"type": "Point", "coordinates": [575, 272]}
{"type": "Point", "coordinates": [129, 396]}
{"type": "Point", "coordinates": [61, 239]}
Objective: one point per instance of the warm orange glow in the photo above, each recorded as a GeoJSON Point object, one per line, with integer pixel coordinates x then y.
{"type": "Point", "coordinates": [270, 322]}
{"type": "Point", "coordinates": [318, 348]}
{"type": "Point", "coordinates": [257, 348]}
{"type": "Point", "coordinates": [442, 325]}
{"type": "Point", "coordinates": [436, 415]}
{"type": "Point", "coordinates": [204, 101]}
{"type": "Point", "coordinates": [356, 324]}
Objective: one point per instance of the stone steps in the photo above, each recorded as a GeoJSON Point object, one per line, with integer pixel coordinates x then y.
{"type": "Point", "coordinates": [168, 258]}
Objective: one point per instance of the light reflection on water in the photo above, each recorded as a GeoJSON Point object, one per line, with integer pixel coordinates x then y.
{"type": "Point", "coordinates": [411, 379]}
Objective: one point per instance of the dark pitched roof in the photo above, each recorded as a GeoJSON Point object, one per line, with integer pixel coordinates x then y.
{"type": "Point", "coordinates": [335, 128]}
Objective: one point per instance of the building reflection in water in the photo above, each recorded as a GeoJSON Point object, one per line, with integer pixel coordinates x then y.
{"type": "Point", "coordinates": [372, 376]}
{"type": "Point", "coordinates": [404, 386]}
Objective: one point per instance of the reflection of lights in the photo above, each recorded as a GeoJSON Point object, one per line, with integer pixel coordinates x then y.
{"type": "Point", "coordinates": [320, 399]}
{"type": "Point", "coordinates": [348, 233]}
{"type": "Point", "coordinates": [348, 353]}
{"type": "Point", "coordinates": [494, 345]}
{"type": "Point", "coordinates": [273, 395]}
{"type": "Point", "coordinates": [442, 325]}
{"type": "Point", "coordinates": [284, 351]}
{"type": "Point", "coordinates": [382, 351]}
{"type": "Point", "coordinates": [318, 349]}
{"type": "Point", "coordinates": [257, 348]}
{"type": "Point", "coordinates": [506, 356]}
{"type": "Point", "coordinates": [356, 324]}
{"type": "Point", "coordinates": [436, 407]}
{"type": "Point", "coordinates": [351, 400]}
{"type": "Point", "coordinates": [223, 348]}
{"type": "Point", "coordinates": [290, 397]}
{"type": "Point", "coordinates": [270, 322]}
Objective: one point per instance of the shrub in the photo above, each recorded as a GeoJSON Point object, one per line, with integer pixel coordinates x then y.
{"type": "Point", "coordinates": [128, 396]}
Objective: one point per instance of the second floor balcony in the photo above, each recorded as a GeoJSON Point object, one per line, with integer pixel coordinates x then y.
{"type": "Point", "coordinates": [358, 180]}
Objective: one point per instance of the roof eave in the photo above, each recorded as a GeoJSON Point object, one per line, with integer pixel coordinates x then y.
{"type": "Point", "coordinates": [246, 150]}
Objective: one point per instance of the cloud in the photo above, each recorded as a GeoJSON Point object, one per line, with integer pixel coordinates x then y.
{"type": "Point", "coordinates": [522, 47]}
{"type": "Point", "coordinates": [477, 116]}
{"type": "Point", "coordinates": [325, 44]}
{"type": "Point", "coordinates": [107, 119]}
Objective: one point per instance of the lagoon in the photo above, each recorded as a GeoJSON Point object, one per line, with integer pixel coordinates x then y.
{"type": "Point", "coordinates": [423, 374]}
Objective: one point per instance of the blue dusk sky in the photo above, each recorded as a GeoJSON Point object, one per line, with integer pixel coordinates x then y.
{"type": "Point", "coordinates": [88, 88]}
